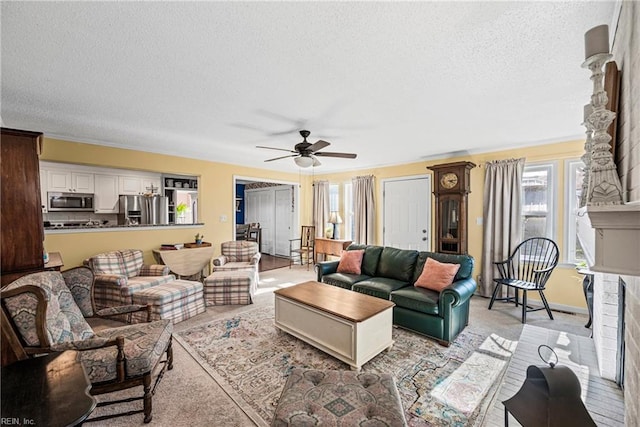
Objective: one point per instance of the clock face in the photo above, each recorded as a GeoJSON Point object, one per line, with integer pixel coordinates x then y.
{"type": "Point", "coordinates": [449, 180]}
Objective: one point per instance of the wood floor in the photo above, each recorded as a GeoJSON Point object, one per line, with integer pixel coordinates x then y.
{"type": "Point", "coordinates": [268, 262]}
{"type": "Point", "coordinates": [603, 398]}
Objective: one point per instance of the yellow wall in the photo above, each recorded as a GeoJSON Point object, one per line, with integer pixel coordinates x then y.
{"type": "Point", "coordinates": [216, 199]}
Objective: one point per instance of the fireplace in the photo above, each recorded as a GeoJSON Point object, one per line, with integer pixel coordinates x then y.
{"type": "Point", "coordinates": [621, 332]}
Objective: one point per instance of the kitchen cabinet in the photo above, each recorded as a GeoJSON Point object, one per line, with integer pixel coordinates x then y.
{"type": "Point", "coordinates": [21, 226]}
{"type": "Point", "coordinates": [66, 181]}
{"type": "Point", "coordinates": [106, 193]}
{"type": "Point", "coordinates": [138, 184]}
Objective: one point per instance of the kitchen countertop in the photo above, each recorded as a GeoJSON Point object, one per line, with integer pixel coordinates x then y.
{"type": "Point", "coordinates": [116, 227]}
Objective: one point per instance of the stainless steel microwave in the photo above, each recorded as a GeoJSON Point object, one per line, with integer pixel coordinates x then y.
{"type": "Point", "coordinates": [58, 202]}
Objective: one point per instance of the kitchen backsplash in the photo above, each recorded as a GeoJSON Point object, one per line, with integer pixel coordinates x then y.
{"type": "Point", "coordinates": [80, 216]}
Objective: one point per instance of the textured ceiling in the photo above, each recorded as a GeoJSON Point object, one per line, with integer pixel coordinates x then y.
{"type": "Point", "coordinates": [393, 82]}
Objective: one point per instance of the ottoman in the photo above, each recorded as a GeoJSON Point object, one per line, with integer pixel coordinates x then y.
{"type": "Point", "coordinates": [339, 398]}
{"type": "Point", "coordinates": [230, 287]}
{"type": "Point", "coordinates": [177, 301]}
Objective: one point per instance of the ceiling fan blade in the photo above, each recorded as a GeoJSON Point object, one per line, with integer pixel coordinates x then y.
{"type": "Point", "coordinates": [273, 148]}
{"type": "Point", "coordinates": [284, 132]}
{"type": "Point", "coordinates": [283, 157]}
{"type": "Point", "coordinates": [319, 145]}
{"type": "Point", "coordinates": [342, 155]}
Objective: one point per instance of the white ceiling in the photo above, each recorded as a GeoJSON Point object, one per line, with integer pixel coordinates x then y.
{"type": "Point", "coordinates": [392, 82]}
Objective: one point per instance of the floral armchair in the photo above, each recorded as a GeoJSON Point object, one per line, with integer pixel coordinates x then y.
{"type": "Point", "coordinates": [119, 274]}
{"type": "Point", "coordinates": [47, 310]}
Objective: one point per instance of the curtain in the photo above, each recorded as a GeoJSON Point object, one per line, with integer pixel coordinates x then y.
{"type": "Point", "coordinates": [320, 206]}
{"type": "Point", "coordinates": [501, 217]}
{"type": "Point", "coordinates": [363, 209]}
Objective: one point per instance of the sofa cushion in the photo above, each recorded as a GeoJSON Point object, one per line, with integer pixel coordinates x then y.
{"type": "Point", "coordinates": [351, 262]}
{"type": "Point", "coordinates": [64, 320]}
{"type": "Point", "coordinates": [132, 260]}
{"type": "Point", "coordinates": [370, 258]}
{"type": "Point", "coordinates": [343, 280]}
{"type": "Point", "coordinates": [437, 275]}
{"type": "Point", "coordinates": [380, 287]}
{"type": "Point", "coordinates": [465, 261]}
{"type": "Point", "coordinates": [417, 299]}
{"type": "Point", "coordinates": [139, 283]}
{"type": "Point", "coordinates": [107, 263]}
{"type": "Point", "coordinates": [397, 264]}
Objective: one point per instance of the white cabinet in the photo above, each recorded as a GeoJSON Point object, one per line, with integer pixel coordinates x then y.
{"type": "Point", "coordinates": [132, 184]}
{"type": "Point", "coordinates": [66, 181]}
{"type": "Point", "coordinates": [106, 193]}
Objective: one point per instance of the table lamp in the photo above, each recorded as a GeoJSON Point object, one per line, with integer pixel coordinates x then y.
{"type": "Point", "coordinates": [335, 219]}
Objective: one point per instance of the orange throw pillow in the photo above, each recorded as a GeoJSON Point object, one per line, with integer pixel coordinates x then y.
{"type": "Point", "coordinates": [350, 261]}
{"type": "Point", "coordinates": [437, 275]}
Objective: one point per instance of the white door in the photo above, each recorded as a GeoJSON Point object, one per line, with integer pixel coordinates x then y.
{"type": "Point", "coordinates": [266, 208]}
{"type": "Point", "coordinates": [407, 207]}
{"type": "Point", "coordinates": [283, 221]}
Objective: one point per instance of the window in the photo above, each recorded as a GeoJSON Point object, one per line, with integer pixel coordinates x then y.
{"type": "Point", "coordinates": [574, 176]}
{"type": "Point", "coordinates": [349, 231]}
{"type": "Point", "coordinates": [538, 195]}
{"type": "Point", "coordinates": [334, 197]}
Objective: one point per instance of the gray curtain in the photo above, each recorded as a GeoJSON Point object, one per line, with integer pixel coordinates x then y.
{"type": "Point", "coordinates": [320, 206]}
{"type": "Point", "coordinates": [501, 218]}
{"type": "Point", "coordinates": [364, 213]}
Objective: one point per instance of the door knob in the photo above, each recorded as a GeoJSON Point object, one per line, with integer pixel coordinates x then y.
{"type": "Point", "coordinates": [424, 231]}
{"type": "Point", "coordinates": [424, 239]}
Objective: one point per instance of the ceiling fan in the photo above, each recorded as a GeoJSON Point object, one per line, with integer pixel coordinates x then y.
{"type": "Point", "coordinates": [306, 154]}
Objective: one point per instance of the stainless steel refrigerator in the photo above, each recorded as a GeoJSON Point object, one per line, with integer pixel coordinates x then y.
{"type": "Point", "coordinates": [144, 210]}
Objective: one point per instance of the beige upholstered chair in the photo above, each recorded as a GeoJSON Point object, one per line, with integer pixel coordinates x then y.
{"type": "Point", "coordinates": [119, 274]}
{"type": "Point", "coordinates": [46, 312]}
{"type": "Point", "coordinates": [237, 255]}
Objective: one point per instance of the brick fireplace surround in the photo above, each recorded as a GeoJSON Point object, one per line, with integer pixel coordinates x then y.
{"type": "Point", "coordinates": [626, 46]}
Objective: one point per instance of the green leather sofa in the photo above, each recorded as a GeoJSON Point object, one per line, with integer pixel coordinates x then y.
{"type": "Point", "coordinates": [389, 273]}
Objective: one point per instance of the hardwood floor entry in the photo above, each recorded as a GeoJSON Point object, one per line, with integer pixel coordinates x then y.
{"type": "Point", "coordinates": [269, 262]}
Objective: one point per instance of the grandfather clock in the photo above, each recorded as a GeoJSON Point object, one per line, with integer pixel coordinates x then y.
{"type": "Point", "coordinates": [451, 183]}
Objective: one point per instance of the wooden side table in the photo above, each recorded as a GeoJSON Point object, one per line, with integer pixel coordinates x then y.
{"type": "Point", "coordinates": [333, 247]}
{"type": "Point", "coordinates": [186, 262]}
{"type": "Point", "coordinates": [51, 390]}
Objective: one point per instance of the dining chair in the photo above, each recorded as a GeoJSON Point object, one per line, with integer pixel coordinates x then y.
{"type": "Point", "coordinates": [303, 249]}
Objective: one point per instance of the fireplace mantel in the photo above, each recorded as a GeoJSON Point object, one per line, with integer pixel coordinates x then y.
{"type": "Point", "coordinates": [614, 242]}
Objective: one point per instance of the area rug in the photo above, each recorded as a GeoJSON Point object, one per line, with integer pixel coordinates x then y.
{"type": "Point", "coordinates": [439, 386]}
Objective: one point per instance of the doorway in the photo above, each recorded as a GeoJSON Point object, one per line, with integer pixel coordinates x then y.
{"type": "Point", "coordinates": [407, 212]}
{"type": "Point", "coordinates": [272, 203]}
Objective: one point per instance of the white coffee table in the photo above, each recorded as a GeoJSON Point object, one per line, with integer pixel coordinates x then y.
{"type": "Point", "coordinates": [348, 325]}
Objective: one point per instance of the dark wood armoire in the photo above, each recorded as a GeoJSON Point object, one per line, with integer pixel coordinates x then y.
{"type": "Point", "coordinates": [21, 225]}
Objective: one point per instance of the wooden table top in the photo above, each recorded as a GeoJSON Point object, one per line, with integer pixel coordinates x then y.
{"type": "Point", "coordinates": [349, 305]}
{"type": "Point", "coordinates": [51, 390]}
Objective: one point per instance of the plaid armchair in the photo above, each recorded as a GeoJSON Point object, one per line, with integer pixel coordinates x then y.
{"type": "Point", "coordinates": [237, 255]}
{"type": "Point", "coordinates": [119, 274]}
{"type": "Point", "coordinates": [45, 317]}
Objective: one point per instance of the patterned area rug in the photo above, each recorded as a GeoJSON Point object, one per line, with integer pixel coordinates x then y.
{"type": "Point", "coordinates": [438, 386]}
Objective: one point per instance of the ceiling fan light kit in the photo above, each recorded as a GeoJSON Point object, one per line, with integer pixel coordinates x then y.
{"type": "Point", "coordinates": [303, 162]}
{"type": "Point", "coordinates": [305, 153]}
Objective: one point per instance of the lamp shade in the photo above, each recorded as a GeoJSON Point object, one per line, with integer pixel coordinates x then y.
{"type": "Point", "coordinates": [303, 161]}
{"type": "Point", "coordinates": [596, 41]}
{"type": "Point", "coordinates": [334, 218]}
